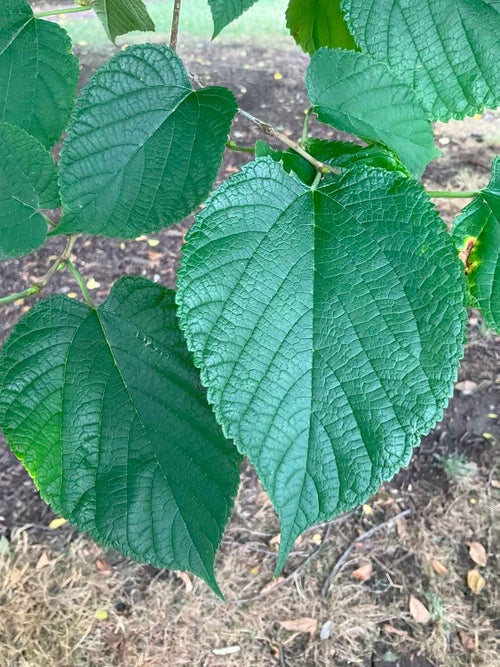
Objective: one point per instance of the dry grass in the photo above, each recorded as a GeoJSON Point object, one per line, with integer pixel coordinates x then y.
{"type": "Point", "coordinates": [49, 600]}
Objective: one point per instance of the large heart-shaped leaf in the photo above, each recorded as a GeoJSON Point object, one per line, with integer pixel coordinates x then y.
{"type": "Point", "coordinates": [328, 325]}
{"type": "Point", "coordinates": [28, 183]}
{"type": "Point", "coordinates": [447, 50]}
{"type": "Point", "coordinates": [225, 12]}
{"type": "Point", "coordinates": [104, 408]}
{"type": "Point", "coordinates": [143, 148]}
{"type": "Point", "coordinates": [38, 72]}
{"type": "Point", "coordinates": [122, 16]}
{"type": "Point", "coordinates": [476, 232]}
{"type": "Point", "coordinates": [316, 23]}
{"type": "Point", "coordinates": [354, 93]}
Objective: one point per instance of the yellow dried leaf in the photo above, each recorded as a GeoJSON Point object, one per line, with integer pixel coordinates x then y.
{"type": "Point", "coordinates": [93, 284]}
{"type": "Point", "coordinates": [367, 510]}
{"type": "Point", "coordinates": [438, 567]}
{"type": "Point", "coordinates": [316, 538]}
{"type": "Point", "coordinates": [478, 553]}
{"type": "Point", "coordinates": [57, 523]}
{"type": "Point", "coordinates": [475, 581]}
{"type": "Point", "coordinates": [418, 610]}
{"type": "Point", "coordinates": [278, 76]}
{"type": "Point", "coordinates": [304, 624]}
{"type": "Point", "coordinates": [255, 570]}
{"type": "Point", "coordinates": [101, 615]}
{"type": "Point", "coordinates": [153, 242]}
{"type": "Point", "coordinates": [363, 572]}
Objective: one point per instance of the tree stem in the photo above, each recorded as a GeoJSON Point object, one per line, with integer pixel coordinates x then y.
{"type": "Point", "coordinates": [452, 194]}
{"type": "Point", "coordinates": [232, 145]}
{"type": "Point", "coordinates": [41, 282]}
{"type": "Point", "coordinates": [276, 134]}
{"type": "Point", "coordinates": [175, 24]}
{"type": "Point", "coordinates": [63, 10]}
{"type": "Point", "coordinates": [81, 283]}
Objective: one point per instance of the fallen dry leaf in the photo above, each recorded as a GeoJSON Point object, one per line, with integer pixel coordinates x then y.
{"type": "Point", "coordinates": [495, 483]}
{"type": "Point", "coordinates": [401, 528]}
{"type": "Point", "coordinates": [326, 630]}
{"type": "Point", "coordinates": [272, 584]}
{"type": "Point", "coordinates": [363, 572]}
{"type": "Point", "coordinates": [438, 567]}
{"type": "Point", "coordinates": [275, 541]}
{"type": "Point", "coordinates": [304, 624]}
{"type": "Point", "coordinates": [478, 553]}
{"type": "Point", "coordinates": [184, 576]}
{"type": "Point", "coordinates": [316, 538]}
{"type": "Point", "coordinates": [43, 561]}
{"type": "Point", "coordinates": [467, 387]}
{"type": "Point", "coordinates": [57, 523]}
{"type": "Point", "coordinates": [475, 581]}
{"type": "Point", "coordinates": [418, 610]}
{"type": "Point", "coordinates": [391, 630]}
{"type": "Point", "coordinates": [467, 641]}
{"type": "Point", "coordinates": [102, 566]}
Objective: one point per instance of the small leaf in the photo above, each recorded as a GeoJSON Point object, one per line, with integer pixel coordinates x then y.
{"type": "Point", "coordinates": [447, 50]}
{"type": "Point", "coordinates": [58, 523]}
{"type": "Point", "coordinates": [104, 408]}
{"type": "Point", "coordinates": [43, 561]}
{"type": "Point", "coordinates": [346, 154]}
{"type": "Point", "coordinates": [122, 16]}
{"type": "Point", "coordinates": [28, 183]}
{"type": "Point", "coordinates": [418, 610]}
{"type": "Point", "coordinates": [475, 581]}
{"type": "Point", "coordinates": [101, 615]}
{"type": "Point", "coordinates": [356, 94]}
{"type": "Point", "coordinates": [363, 572]}
{"type": "Point", "coordinates": [304, 624]}
{"type": "Point", "coordinates": [143, 148]}
{"type": "Point", "coordinates": [38, 72]}
{"type": "Point", "coordinates": [478, 553]}
{"type": "Point", "coordinates": [321, 317]}
{"type": "Point", "coordinates": [438, 567]}
{"type": "Point", "coordinates": [480, 221]}
{"type": "Point", "coordinates": [225, 12]}
{"type": "Point", "coordinates": [316, 23]}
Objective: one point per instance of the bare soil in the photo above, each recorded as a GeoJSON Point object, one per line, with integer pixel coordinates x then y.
{"type": "Point", "coordinates": [64, 601]}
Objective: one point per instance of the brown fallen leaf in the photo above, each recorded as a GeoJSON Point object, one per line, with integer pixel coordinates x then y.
{"type": "Point", "coordinates": [478, 553]}
{"type": "Point", "coordinates": [271, 584]}
{"type": "Point", "coordinates": [475, 581]}
{"type": "Point", "coordinates": [418, 610]}
{"type": "Point", "coordinates": [467, 641]}
{"type": "Point", "coordinates": [304, 624]}
{"type": "Point", "coordinates": [391, 630]}
{"type": "Point", "coordinates": [363, 572]}
{"type": "Point", "coordinates": [102, 566]}
{"type": "Point", "coordinates": [43, 561]}
{"type": "Point", "coordinates": [438, 567]}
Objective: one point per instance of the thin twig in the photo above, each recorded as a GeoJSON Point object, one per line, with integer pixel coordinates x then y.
{"type": "Point", "coordinates": [341, 561]}
{"type": "Point", "coordinates": [40, 283]}
{"type": "Point", "coordinates": [276, 134]}
{"type": "Point", "coordinates": [175, 24]}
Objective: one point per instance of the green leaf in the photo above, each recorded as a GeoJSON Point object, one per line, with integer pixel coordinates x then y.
{"type": "Point", "coordinates": [354, 93]}
{"type": "Point", "coordinates": [28, 183]}
{"type": "Point", "coordinates": [105, 410]}
{"type": "Point", "coordinates": [121, 16]}
{"type": "Point", "coordinates": [447, 50]}
{"type": "Point", "coordinates": [316, 23]}
{"type": "Point", "coordinates": [225, 12]}
{"type": "Point", "coordinates": [328, 325]}
{"type": "Point", "coordinates": [346, 154]}
{"type": "Point", "coordinates": [290, 160]}
{"type": "Point", "coordinates": [38, 72]}
{"type": "Point", "coordinates": [476, 231]}
{"type": "Point", "coordinates": [143, 148]}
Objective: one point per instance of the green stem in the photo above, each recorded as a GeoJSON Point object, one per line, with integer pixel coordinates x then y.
{"type": "Point", "coordinates": [10, 298]}
{"type": "Point", "coordinates": [175, 24]}
{"type": "Point", "coordinates": [241, 149]}
{"type": "Point", "coordinates": [316, 181]}
{"type": "Point", "coordinates": [452, 194]}
{"type": "Point", "coordinates": [81, 283]}
{"type": "Point", "coordinates": [63, 10]}
{"type": "Point", "coordinates": [305, 129]}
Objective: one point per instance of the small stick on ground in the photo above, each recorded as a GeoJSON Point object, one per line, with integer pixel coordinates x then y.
{"type": "Point", "coordinates": [341, 561]}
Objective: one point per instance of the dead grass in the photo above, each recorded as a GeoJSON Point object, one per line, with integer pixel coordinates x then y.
{"type": "Point", "coordinates": [51, 603]}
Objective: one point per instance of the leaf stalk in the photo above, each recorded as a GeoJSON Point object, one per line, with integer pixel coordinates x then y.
{"type": "Point", "coordinates": [63, 10]}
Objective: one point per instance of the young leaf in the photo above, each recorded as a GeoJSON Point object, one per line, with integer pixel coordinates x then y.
{"type": "Point", "coordinates": [121, 16]}
{"type": "Point", "coordinates": [38, 72]}
{"type": "Point", "coordinates": [328, 325]}
{"type": "Point", "coordinates": [354, 93]}
{"type": "Point", "coordinates": [447, 50]}
{"type": "Point", "coordinates": [290, 160]}
{"type": "Point", "coordinates": [143, 148]}
{"type": "Point", "coordinates": [104, 407]}
{"type": "Point", "coordinates": [225, 12]}
{"type": "Point", "coordinates": [28, 183]}
{"type": "Point", "coordinates": [478, 229]}
{"type": "Point", "coordinates": [346, 154]}
{"type": "Point", "coordinates": [316, 23]}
